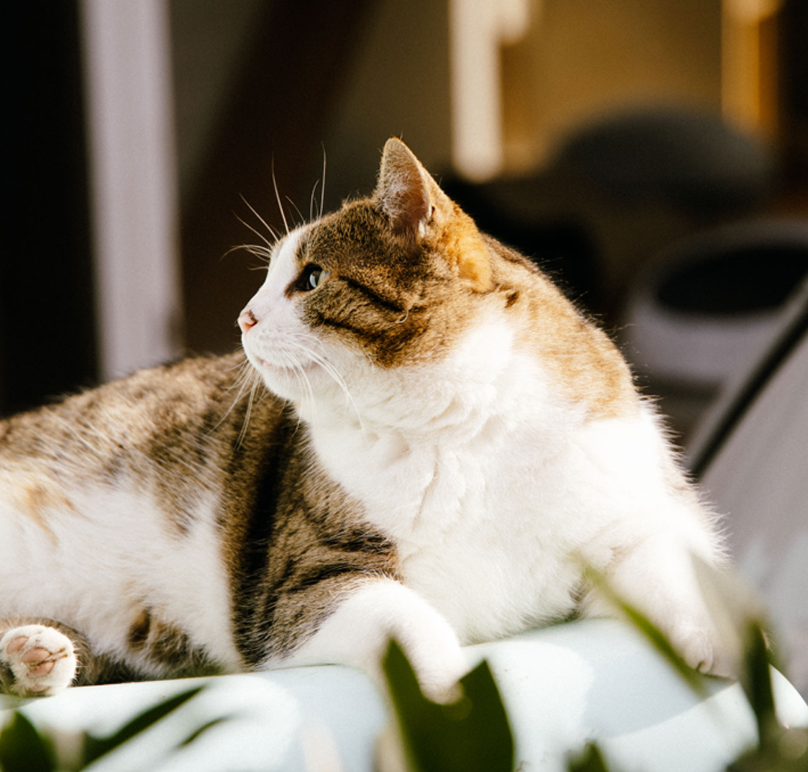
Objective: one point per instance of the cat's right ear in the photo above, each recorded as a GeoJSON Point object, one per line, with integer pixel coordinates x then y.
{"type": "Point", "coordinates": [406, 192]}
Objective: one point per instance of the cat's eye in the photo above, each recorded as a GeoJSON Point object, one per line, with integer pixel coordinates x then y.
{"type": "Point", "coordinates": [311, 277]}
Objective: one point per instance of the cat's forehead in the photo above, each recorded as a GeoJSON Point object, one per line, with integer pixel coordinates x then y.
{"type": "Point", "coordinates": [355, 227]}
{"type": "Point", "coordinates": [358, 238]}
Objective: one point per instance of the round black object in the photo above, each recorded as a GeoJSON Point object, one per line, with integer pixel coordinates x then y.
{"type": "Point", "coordinates": [737, 271]}
{"type": "Point", "coordinates": [692, 160]}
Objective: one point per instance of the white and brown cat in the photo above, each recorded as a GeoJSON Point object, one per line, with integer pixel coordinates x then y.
{"type": "Point", "coordinates": [439, 443]}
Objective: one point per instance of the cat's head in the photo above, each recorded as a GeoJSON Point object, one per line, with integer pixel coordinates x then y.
{"type": "Point", "coordinates": [388, 283]}
{"type": "Point", "coordinates": [396, 306]}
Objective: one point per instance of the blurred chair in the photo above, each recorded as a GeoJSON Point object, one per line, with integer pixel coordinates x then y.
{"type": "Point", "coordinates": [704, 307]}
{"type": "Point", "coordinates": [751, 454]}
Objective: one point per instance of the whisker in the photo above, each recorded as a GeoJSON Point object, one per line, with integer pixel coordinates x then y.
{"type": "Point", "coordinates": [305, 383]}
{"type": "Point", "coordinates": [278, 197]}
{"type": "Point", "coordinates": [246, 378]}
{"type": "Point", "coordinates": [311, 201]}
{"type": "Point", "coordinates": [322, 189]}
{"type": "Point", "coordinates": [272, 232]}
{"type": "Point", "coordinates": [256, 250]}
{"type": "Point", "coordinates": [299, 213]}
{"type": "Point", "coordinates": [332, 372]}
{"type": "Point", "coordinates": [243, 433]}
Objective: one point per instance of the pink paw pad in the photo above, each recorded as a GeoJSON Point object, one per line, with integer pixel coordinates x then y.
{"type": "Point", "coordinates": [36, 660]}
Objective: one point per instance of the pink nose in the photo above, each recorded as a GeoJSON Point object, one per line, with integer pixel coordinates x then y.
{"type": "Point", "coordinates": [247, 320]}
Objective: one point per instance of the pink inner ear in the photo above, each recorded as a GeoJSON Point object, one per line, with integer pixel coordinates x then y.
{"type": "Point", "coordinates": [403, 189]}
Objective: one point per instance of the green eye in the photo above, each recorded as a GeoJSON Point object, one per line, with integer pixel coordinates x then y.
{"type": "Point", "coordinates": [311, 278]}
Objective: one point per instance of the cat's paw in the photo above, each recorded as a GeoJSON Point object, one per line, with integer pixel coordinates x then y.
{"type": "Point", "coordinates": [36, 661]}
{"type": "Point", "coordinates": [702, 650]}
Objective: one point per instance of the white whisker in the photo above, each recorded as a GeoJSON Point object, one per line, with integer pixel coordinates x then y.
{"type": "Point", "coordinates": [322, 189]}
{"type": "Point", "coordinates": [278, 198]}
{"type": "Point", "coordinates": [329, 369]}
{"type": "Point", "coordinates": [270, 229]}
{"type": "Point", "coordinates": [311, 202]}
{"type": "Point", "coordinates": [247, 379]}
{"type": "Point", "coordinates": [299, 213]}
{"type": "Point", "coordinates": [261, 252]}
{"type": "Point", "coordinates": [243, 433]}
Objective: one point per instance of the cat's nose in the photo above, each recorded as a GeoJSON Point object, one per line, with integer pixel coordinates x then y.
{"type": "Point", "coordinates": [247, 320]}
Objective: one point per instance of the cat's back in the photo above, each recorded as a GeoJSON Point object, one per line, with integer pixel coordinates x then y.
{"type": "Point", "coordinates": [151, 402]}
{"type": "Point", "coordinates": [171, 436]}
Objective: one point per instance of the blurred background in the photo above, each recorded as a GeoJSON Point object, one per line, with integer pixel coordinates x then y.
{"type": "Point", "coordinates": [607, 139]}
{"type": "Point", "coordinates": [594, 135]}
{"type": "Point", "coordinates": [652, 155]}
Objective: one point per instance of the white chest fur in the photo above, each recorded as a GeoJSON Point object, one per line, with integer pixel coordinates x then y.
{"type": "Point", "coordinates": [473, 484]}
{"type": "Point", "coordinates": [494, 488]}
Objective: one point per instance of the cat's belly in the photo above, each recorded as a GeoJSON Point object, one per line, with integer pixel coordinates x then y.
{"type": "Point", "coordinates": [94, 558]}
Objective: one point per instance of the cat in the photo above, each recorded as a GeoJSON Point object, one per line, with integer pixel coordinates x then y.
{"type": "Point", "coordinates": [435, 446]}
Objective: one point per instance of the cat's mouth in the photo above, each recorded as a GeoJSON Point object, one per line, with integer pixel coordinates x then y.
{"type": "Point", "coordinates": [296, 369]}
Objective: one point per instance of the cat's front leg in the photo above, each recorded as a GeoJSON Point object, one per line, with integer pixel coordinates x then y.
{"type": "Point", "coordinates": [36, 660]}
{"type": "Point", "coordinates": [358, 631]}
{"type": "Point", "coordinates": [658, 578]}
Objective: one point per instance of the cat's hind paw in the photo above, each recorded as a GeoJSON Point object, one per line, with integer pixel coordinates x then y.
{"type": "Point", "coordinates": [36, 661]}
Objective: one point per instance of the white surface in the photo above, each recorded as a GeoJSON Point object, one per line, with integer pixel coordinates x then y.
{"type": "Point", "coordinates": [562, 685]}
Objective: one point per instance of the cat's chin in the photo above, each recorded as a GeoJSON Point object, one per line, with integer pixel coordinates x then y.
{"type": "Point", "coordinates": [288, 381]}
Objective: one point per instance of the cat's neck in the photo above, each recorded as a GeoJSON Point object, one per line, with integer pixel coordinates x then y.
{"type": "Point", "coordinates": [446, 401]}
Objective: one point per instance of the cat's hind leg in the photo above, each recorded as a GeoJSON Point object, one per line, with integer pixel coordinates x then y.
{"type": "Point", "coordinates": [36, 659]}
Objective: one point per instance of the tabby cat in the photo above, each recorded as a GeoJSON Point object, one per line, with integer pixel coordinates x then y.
{"type": "Point", "coordinates": [422, 438]}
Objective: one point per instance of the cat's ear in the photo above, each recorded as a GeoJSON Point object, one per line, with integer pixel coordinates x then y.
{"type": "Point", "coordinates": [419, 210]}
{"type": "Point", "coordinates": [406, 192]}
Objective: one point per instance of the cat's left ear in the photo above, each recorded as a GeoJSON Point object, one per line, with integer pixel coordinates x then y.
{"type": "Point", "coordinates": [406, 192]}
{"type": "Point", "coordinates": [415, 205]}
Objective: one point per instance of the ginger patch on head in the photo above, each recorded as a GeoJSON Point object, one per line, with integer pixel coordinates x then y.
{"type": "Point", "coordinates": [460, 244]}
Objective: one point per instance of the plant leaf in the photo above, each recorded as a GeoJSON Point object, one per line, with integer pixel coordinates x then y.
{"type": "Point", "coordinates": [23, 748]}
{"type": "Point", "coordinates": [202, 729]}
{"type": "Point", "coordinates": [95, 747]}
{"type": "Point", "coordinates": [589, 760]}
{"type": "Point", "coordinates": [651, 632]}
{"type": "Point", "coordinates": [472, 734]}
{"type": "Point", "coordinates": [757, 684]}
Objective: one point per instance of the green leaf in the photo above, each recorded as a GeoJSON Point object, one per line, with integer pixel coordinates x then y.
{"type": "Point", "coordinates": [472, 734]}
{"type": "Point", "coordinates": [95, 747]}
{"type": "Point", "coordinates": [23, 749]}
{"type": "Point", "coordinates": [589, 760]}
{"type": "Point", "coordinates": [202, 729]}
{"type": "Point", "coordinates": [757, 684]}
{"type": "Point", "coordinates": [787, 752]}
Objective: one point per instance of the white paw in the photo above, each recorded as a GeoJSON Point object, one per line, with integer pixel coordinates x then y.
{"type": "Point", "coordinates": [36, 661]}
{"type": "Point", "coordinates": [701, 648]}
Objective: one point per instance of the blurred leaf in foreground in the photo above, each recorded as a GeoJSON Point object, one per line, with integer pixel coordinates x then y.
{"type": "Point", "coordinates": [23, 749]}
{"type": "Point", "coordinates": [471, 734]}
{"type": "Point", "coordinates": [589, 760]}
